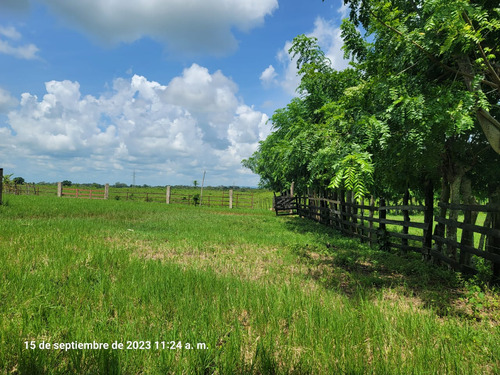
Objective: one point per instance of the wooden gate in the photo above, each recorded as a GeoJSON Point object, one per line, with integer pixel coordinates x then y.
{"type": "Point", "coordinates": [285, 205]}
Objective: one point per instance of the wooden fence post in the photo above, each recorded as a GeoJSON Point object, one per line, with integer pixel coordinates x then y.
{"type": "Point", "coordinates": [372, 208]}
{"type": "Point", "coordinates": [106, 191]}
{"type": "Point", "coordinates": [382, 215]}
{"type": "Point", "coordinates": [1, 184]}
{"type": "Point", "coordinates": [362, 214]}
{"type": "Point", "coordinates": [428, 218]}
{"type": "Point", "coordinates": [342, 207]}
{"type": "Point", "coordinates": [494, 240]}
{"type": "Point", "coordinates": [354, 213]}
{"type": "Point", "coordinates": [406, 219]}
{"type": "Point", "coordinates": [495, 246]}
{"type": "Point", "coordinates": [382, 232]}
{"type": "Point", "coordinates": [59, 189]}
{"type": "Point", "coordinates": [231, 198]}
{"type": "Point", "coordinates": [168, 195]}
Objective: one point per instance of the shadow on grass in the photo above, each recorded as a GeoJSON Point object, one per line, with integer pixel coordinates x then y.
{"type": "Point", "coordinates": [345, 264]}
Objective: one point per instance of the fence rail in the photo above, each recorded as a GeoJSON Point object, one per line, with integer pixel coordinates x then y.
{"type": "Point", "coordinates": [223, 198]}
{"type": "Point", "coordinates": [477, 245]}
{"type": "Point", "coordinates": [84, 193]}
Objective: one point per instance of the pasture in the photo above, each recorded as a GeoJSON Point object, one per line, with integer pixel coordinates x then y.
{"type": "Point", "coordinates": [210, 290]}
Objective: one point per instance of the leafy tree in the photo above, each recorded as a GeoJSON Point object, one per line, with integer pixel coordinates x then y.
{"type": "Point", "coordinates": [439, 63]}
{"type": "Point", "coordinates": [396, 120]}
{"type": "Point", "coordinates": [18, 180]}
{"type": "Point", "coordinates": [7, 179]}
{"type": "Point", "coordinates": [451, 38]}
{"type": "Point", "coordinates": [66, 183]}
{"type": "Point", "coordinates": [303, 147]}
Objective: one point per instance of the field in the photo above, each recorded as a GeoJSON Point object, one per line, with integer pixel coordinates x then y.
{"type": "Point", "coordinates": [212, 196]}
{"type": "Point", "coordinates": [207, 290]}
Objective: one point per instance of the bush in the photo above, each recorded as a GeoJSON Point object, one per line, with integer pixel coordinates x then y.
{"type": "Point", "coordinates": [196, 199]}
{"type": "Point", "coordinates": [18, 180]}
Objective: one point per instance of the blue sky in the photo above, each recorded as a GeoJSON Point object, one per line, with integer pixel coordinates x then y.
{"type": "Point", "coordinates": [91, 91]}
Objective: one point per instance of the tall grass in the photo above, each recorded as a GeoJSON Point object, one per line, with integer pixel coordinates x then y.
{"type": "Point", "coordinates": [260, 294]}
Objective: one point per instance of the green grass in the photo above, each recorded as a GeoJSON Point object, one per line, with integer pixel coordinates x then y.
{"type": "Point", "coordinates": [264, 294]}
{"type": "Point", "coordinates": [212, 196]}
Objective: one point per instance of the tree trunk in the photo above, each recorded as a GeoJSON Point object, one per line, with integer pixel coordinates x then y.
{"type": "Point", "coordinates": [490, 126]}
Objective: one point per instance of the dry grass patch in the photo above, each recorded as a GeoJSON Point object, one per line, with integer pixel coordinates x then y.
{"type": "Point", "coordinates": [264, 264]}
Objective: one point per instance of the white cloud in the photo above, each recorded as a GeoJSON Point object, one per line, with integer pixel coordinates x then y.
{"type": "Point", "coordinates": [290, 79]}
{"type": "Point", "coordinates": [194, 120]}
{"type": "Point", "coordinates": [7, 101]}
{"type": "Point", "coordinates": [10, 32]}
{"type": "Point", "coordinates": [343, 11]}
{"type": "Point", "coordinates": [27, 51]}
{"type": "Point", "coordinates": [268, 76]}
{"type": "Point", "coordinates": [190, 26]}
{"type": "Point", "coordinates": [330, 41]}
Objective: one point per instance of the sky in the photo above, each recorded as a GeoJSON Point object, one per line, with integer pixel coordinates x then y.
{"type": "Point", "coordinates": [97, 90]}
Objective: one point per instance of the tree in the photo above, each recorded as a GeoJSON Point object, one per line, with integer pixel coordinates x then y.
{"type": "Point", "coordinates": [443, 54]}
{"type": "Point", "coordinates": [458, 38]}
{"type": "Point", "coordinates": [66, 183]}
{"type": "Point", "coordinates": [18, 180]}
{"type": "Point", "coordinates": [305, 148]}
{"type": "Point", "coordinates": [7, 179]}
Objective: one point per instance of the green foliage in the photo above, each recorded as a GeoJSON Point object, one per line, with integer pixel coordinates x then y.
{"type": "Point", "coordinates": [354, 173]}
{"type": "Point", "coordinates": [409, 101]}
{"type": "Point", "coordinates": [196, 199]}
{"type": "Point", "coordinates": [442, 41]}
{"type": "Point", "coordinates": [7, 178]}
{"type": "Point", "coordinates": [265, 294]}
{"type": "Point", "coordinates": [66, 183]}
{"type": "Point", "coordinates": [18, 180]}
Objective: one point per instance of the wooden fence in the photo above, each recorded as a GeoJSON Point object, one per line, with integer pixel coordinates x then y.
{"type": "Point", "coordinates": [285, 205]}
{"type": "Point", "coordinates": [25, 189]}
{"type": "Point", "coordinates": [231, 198]}
{"type": "Point", "coordinates": [411, 228]}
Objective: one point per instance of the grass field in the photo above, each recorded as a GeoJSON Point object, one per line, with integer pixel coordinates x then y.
{"type": "Point", "coordinates": [209, 290]}
{"type": "Point", "coordinates": [212, 196]}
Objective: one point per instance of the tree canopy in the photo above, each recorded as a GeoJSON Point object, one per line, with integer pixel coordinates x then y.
{"type": "Point", "coordinates": [419, 103]}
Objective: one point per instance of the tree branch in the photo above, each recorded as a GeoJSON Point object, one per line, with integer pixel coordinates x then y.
{"type": "Point", "coordinates": [496, 78]}
{"type": "Point", "coordinates": [431, 56]}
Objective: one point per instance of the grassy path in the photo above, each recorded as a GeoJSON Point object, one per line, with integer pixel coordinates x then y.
{"type": "Point", "coordinates": [247, 291]}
